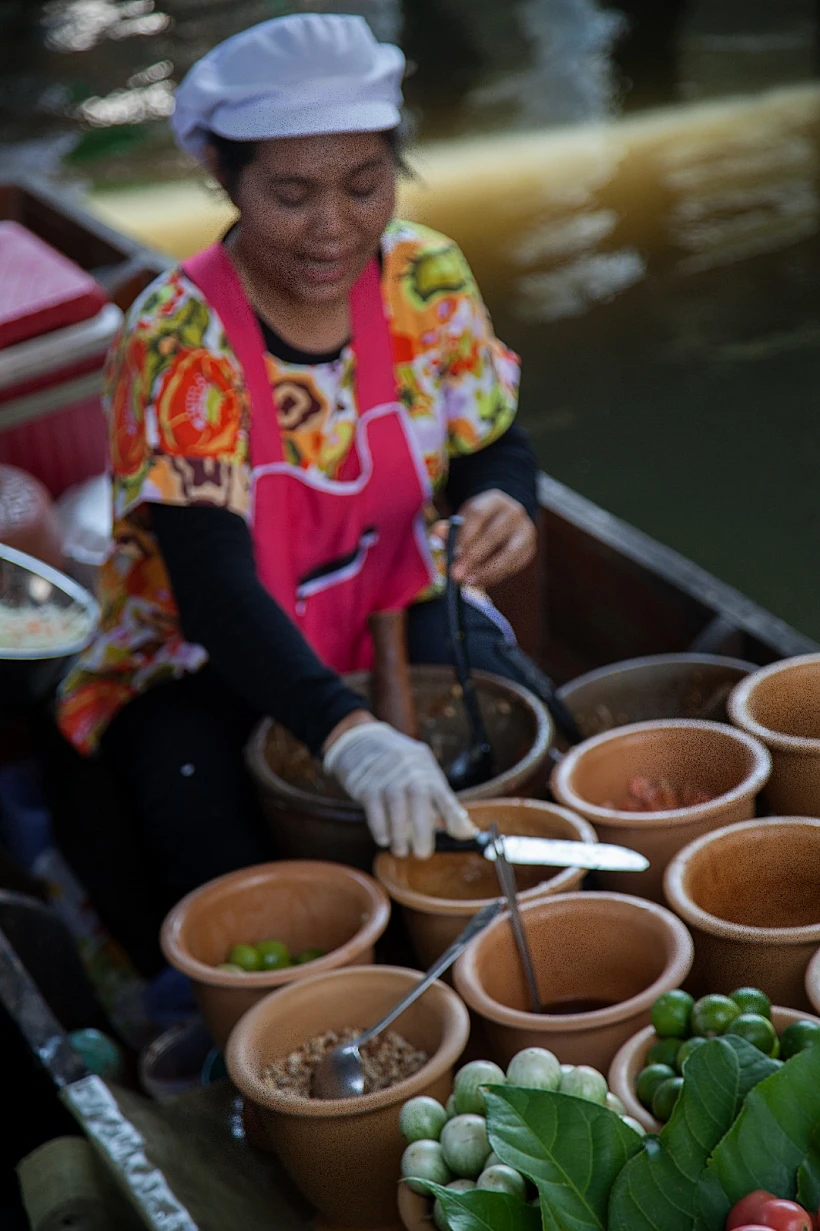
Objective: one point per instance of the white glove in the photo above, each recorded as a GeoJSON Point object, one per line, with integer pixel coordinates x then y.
{"type": "Point", "coordinates": [398, 782]}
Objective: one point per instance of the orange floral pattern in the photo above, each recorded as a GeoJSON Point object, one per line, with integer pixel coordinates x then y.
{"type": "Point", "coordinates": [178, 421]}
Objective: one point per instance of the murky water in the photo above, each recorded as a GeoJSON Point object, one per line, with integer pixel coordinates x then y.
{"type": "Point", "coordinates": [636, 188]}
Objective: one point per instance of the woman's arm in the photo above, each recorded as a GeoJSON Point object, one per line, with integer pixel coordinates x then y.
{"type": "Point", "coordinates": [507, 465]}
{"type": "Point", "coordinates": [250, 641]}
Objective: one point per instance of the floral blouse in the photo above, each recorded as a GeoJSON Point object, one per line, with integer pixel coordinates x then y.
{"type": "Point", "coordinates": [178, 424]}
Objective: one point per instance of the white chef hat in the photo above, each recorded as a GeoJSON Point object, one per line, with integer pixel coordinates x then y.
{"type": "Point", "coordinates": [291, 77]}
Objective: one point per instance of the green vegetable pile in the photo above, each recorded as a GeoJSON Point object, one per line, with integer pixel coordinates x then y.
{"type": "Point", "coordinates": [743, 1120]}
{"type": "Point", "coordinates": [682, 1025]}
{"type": "Point", "coordinates": [450, 1147]}
{"type": "Point", "coordinates": [266, 955]}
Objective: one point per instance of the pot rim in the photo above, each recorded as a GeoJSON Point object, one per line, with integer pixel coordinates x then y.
{"type": "Point", "coordinates": [243, 1074]}
{"type": "Point", "coordinates": [678, 965]}
{"type": "Point", "coordinates": [680, 901]}
{"type": "Point", "coordinates": [427, 904]}
{"type": "Point", "coordinates": [813, 982]}
{"type": "Point", "coordinates": [738, 706]}
{"type": "Point", "coordinates": [345, 810]}
{"type": "Point", "coordinates": [627, 665]}
{"type": "Point", "coordinates": [180, 957]}
{"type": "Point", "coordinates": [639, 1043]}
{"type": "Point", "coordinates": [752, 783]}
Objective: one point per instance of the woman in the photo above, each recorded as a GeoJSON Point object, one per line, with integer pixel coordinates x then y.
{"type": "Point", "coordinates": [283, 409]}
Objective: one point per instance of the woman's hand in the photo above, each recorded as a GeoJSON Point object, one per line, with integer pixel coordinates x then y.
{"type": "Point", "coordinates": [496, 541]}
{"type": "Point", "coordinates": [400, 785]}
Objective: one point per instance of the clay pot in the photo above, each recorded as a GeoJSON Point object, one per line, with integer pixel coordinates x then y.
{"type": "Point", "coordinates": [601, 949]}
{"type": "Point", "coordinates": [631, 1059]}
{"type": "Point", "coordinates": [308, 812]}
{"type": "Point", "coordinates": [722, 761]}
{"type": "Point", "coordinates": [750, 895]}
{"type": "Point", "coordinates": [439, 895]}
{"type": "Point", "coordinates": [28, 520]}
{"type": "Point", "coordinates": [344, 1154]}
{"type": "Point", "coordinates": [306, 905]}
{"type": "Point", "coordinates": [813, 982]}
{"type": "Point", "coordinates": [657, 686]}
{"type": "Point", "coordinates": [780, 705]}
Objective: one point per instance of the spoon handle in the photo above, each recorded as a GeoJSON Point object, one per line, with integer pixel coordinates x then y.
{"type": "Point", "coordinates": [455, 620]}
{"type": "Point", "coordinates": [476, 925]}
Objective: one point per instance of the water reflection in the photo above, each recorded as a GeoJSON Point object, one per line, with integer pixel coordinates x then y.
{"type": "Point", "coordinates": [78, 25]}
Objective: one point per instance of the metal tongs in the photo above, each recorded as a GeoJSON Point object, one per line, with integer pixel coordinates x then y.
{"type": "Point", "coordinates": [506, 879]}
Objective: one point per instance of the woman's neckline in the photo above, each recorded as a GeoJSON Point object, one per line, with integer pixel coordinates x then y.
{"type": "Point", "coordinates": [281, 349]}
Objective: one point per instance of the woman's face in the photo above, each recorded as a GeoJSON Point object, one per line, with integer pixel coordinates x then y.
{"type": "Point", "coordinates": [313, 210]}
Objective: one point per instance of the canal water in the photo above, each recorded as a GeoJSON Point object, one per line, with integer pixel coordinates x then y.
{"type": "Point", "coordinates": [635, 185]}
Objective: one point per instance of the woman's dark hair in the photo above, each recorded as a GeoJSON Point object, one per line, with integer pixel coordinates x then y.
{"type": "Point", "coordinates": [234, 156]}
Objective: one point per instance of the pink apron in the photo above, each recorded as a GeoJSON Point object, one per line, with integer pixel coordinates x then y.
{"type": "Point", "coordinates": [331, 551]}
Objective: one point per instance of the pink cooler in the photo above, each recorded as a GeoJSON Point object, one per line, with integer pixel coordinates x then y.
{"type": "Point", "coordinates": [56, 324]}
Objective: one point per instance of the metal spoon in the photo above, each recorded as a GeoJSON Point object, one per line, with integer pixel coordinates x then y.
{"type": "Point", "coordinates": [340, 1073]}
{"type": "Point", "coordinates": [476, 764]}
{"type": "Point", "coordinates": [506, 878]}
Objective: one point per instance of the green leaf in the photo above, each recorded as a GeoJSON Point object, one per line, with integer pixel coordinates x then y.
{"type": "Point", "coordinates": [657, 1190]}
{"type": "Point", "coordinates": [571, 1149]}
{"type": "Point", "coordinates": [775, 1134]}
{"type": "Point", "coordinates": [808, 1176]}
{"type": "Point", "coordinates": [478, 1210]}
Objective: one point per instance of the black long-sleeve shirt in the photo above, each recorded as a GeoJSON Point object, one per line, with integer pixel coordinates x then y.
{"type": "Point", "coordinates": [250, 640]}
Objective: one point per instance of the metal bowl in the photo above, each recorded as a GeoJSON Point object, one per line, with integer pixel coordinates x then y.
{"type": "Point", "coordinates": [28, 673]}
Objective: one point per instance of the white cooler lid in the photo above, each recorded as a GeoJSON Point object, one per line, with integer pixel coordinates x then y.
{"type": "Point", "coordinates": [61, 348]}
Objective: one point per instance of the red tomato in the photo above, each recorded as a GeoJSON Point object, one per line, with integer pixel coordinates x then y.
{"type": "Point", "coordinates": [763, 1209]}
{"type": "Point", "coordinates": [746, 1212]}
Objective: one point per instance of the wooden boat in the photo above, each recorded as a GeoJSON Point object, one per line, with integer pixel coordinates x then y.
{"type": "Point", "coordinates": [599, 592]}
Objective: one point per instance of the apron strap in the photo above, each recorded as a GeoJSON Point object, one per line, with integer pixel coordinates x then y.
{"type": "Point", "coordinates": [213, 272]}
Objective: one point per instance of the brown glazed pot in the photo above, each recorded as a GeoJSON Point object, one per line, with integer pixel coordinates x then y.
{"type": "Point", "coordinates": [344, 1154]}
{"type": "Point", "coordinates": [306, 905]}
{"type": "Point", "coordinates": [813, 982]}
{"type": "Point", "coordinates": [433, 892]}
{"type": "Point", "coordinates": [727, 763]}
{"type": "Point", "coordinates": [631, 1059]}
{"type": "Point", "coordinates": [750, 895]}
{"type": "Point", "coordinates": [599, 947]}
{"type": "Point", "coordinates": [780, 705]}
{"type": "Point", "coordinates": [308, 813]}
{"type": "Point", "coordinates": [657, 686]}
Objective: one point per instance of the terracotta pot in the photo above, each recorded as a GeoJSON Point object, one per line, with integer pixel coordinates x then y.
{"type": "Point", "coordinates": [439, 895]}
{"type": "Point", "coordinates": [601, 948]}
{"type": "Point", "coordinates": [750, 894]}
{"type": "Point", "coordinates": [631, 1059]}
{"type": "Point", "coordinates": [415, 1211]}
{"type": "Point", "coordinates": [306, 905]}
{"type": "Point", "coordinates": [813, 982]}
{"type": "Point", "coordinates": [596, 774]}
{"type": "Point", "coordinates": [657, 686]}
{"type": "Point", "coordinates": [780, 705]}
{"type": "Point", "coordinates": [308, 812]}
{"type": "Point", "coordinates": [344, 1155]}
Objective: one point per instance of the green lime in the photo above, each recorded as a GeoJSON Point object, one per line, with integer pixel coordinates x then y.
{"type": "Point", "coordinates": [712, 1014]}
{"type": "Point", "coordinates": [670, 1014]}
{"type": "Point", "coordinates": [244, 956]}
{"type": "Point", "coordinates": [664, 1051]}
{"type": "Point", "coordinates": [232, 967]}
{"type": "Point", "coordinates": [308, 955]}
{"type": "Point", "coordinates": [666, 1095]}
{"type": "Point", "coordinates": [649, 1079]}
{"type": "Point", "coordinates": [797, 1037]}
{"type": "Point", "coordinates": [685, 1050]}
{"type": "Point", "coordinates": [756, 1030]}
{"type": "Point", "coordinates": [273, 955]}
{"type": "Point", "coordinates": [752, 1000]}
